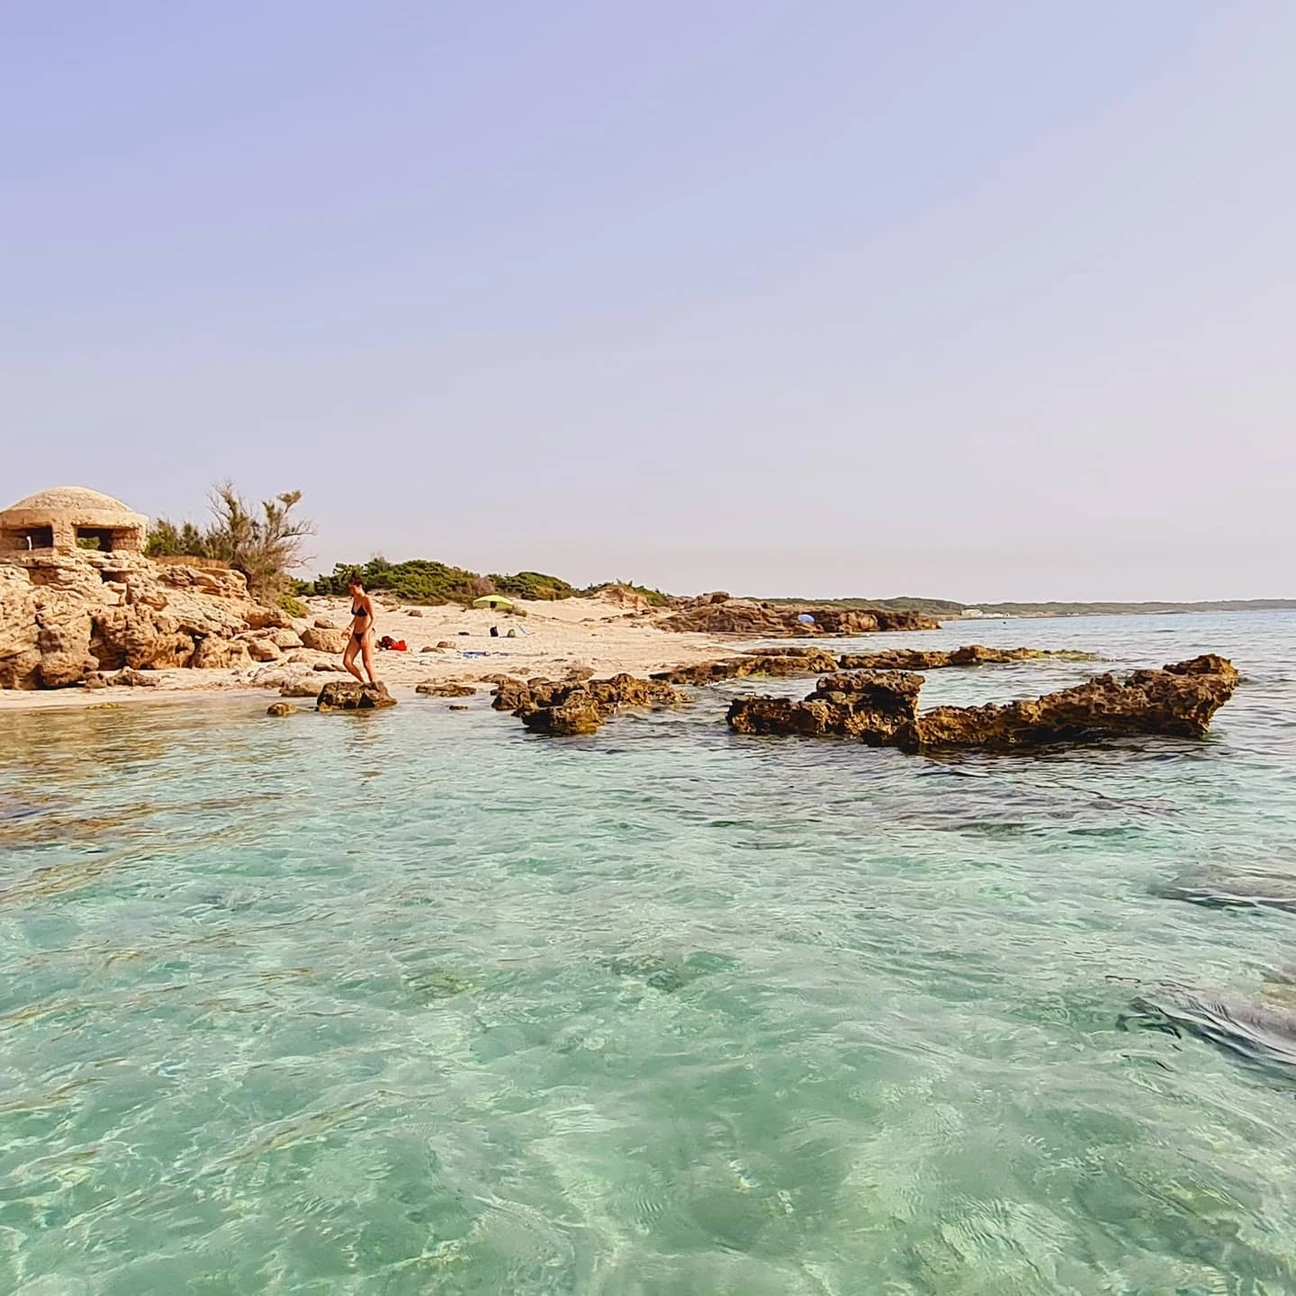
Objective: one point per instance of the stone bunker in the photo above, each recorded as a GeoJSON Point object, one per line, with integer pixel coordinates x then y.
{"type": "Point", "coordinates": [69, 518]}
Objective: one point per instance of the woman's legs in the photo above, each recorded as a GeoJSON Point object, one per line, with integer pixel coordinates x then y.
{"type": "Point", "coordinates": [366, 649]}
{"type": "Point", "coordinates": [348, 658]}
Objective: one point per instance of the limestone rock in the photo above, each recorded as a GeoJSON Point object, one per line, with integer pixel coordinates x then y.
{"type": "Point", "coordinates": [60, 669]}
{"type": "Point", "coordinates": [768, 621]}
{"type": "Point", "coordinates": [64, 615]}
{"type": "Point", "coordinates": [1178, 700]}
{"type": "Point", "coordinates": [444, 688]}
{"type": "Point", "coordinates": [350, 695]}
{"type": "Point", "coordinates": [576, 714]}
{"type": "Point", "coordinates": [569, 704]}
{"type": "Point", "coordinates": [214, 653]}
{"type": "Point", "coordinates": [20, 653]}
{"type": "Point", "coordinates": [300, 688]}
{"type": "Point", "coordinates": [263, 650]}
{"type": "Point", "coordinates": [877, 707]}
{"type": "Point", "coordinates": [263, 617]}
{"type": "Point", "coordinates": [919, 659]}
{"type": "Point", "coordinates": [280, 709]}
{"type": "Point", "coordinates": [285, 637]}
{"type": "Point", "coordinates": [128, 678]}
{"type": "Point", "coordinates": [809, 661]}
{"type": "Point", "coordinates": [880, 708]}
{"type": "Point", "coordinates": [322, 639]}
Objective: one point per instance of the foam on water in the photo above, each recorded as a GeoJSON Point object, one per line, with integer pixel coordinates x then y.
{"type": "Point", "coordinates": [416, 1002]}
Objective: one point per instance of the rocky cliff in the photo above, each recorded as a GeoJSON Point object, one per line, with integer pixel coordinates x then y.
{"type": "Point", "coordinates": [65, 618]}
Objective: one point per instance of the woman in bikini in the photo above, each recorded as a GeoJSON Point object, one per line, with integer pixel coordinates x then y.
{"type": "Point", "coordinates": [361, 641]}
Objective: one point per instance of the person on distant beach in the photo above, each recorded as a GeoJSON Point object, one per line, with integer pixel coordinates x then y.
{"type": "Point", "coordinates": [362, 624]}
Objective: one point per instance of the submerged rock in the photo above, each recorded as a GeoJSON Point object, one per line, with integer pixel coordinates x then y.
{"type": "Point", "coordinates": [444, 688]}
{"type": "Point", "coordinates": [280, 709]}
{"type": "Point", "coordinates": [881, 708]}
{"type": "Point", "coordinates": [351, 695]}
{"type": "Point", "coordinates": [1257, 1031]}
{"type": "Point", "coordinates": [1241, 891]}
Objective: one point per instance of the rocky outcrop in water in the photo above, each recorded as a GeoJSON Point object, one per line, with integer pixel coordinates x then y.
{"type": "Point", "coordinates": [808, 661]}
{"type": "Point", "coordinates": [562, 707]}
{"type": "Point", "coordinates": [767, 621]}
{"type": "Point", "coordinates": [351, 695]}
{"type": "Point", "coordinates": [64, 617]}
{"type": "Point", "coordinates": [1178, 700]}
{"type": "Point", "coordinates": [444, 688]}
{"type": "Point", "coordinates": [918, 659]}
{"type": "Point", "coordinates": [881, 708]}
{"type": "Point", "coordinates": [875, 707]}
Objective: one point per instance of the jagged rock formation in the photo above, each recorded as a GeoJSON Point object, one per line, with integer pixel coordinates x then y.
{"type": "Point", "coordinates": [876, 707]}
{"type": "Point", "coordinates": [791, 661]}
{"type": "Point", "coordinates": [917, 659]}
{"type": "Point", "coordinates": [766, 621]}
{"type": "Point", "coordinates": [881, 708]}
{"type": "Point", "coordinates": [562, 707]}
{"type": "Point", "coordinates": [805, 661]}
{"type": "Point", "coordinates": [351, 695]}
{"type": "Point", "coordinates": [65, 616]}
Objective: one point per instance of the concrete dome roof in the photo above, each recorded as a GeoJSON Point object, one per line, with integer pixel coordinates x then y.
{"type": "Point", "coordinates": [71, 499]}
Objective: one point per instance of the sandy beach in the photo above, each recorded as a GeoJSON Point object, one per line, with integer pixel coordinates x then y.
{"type": "Point", "coordinates": [552, 639]}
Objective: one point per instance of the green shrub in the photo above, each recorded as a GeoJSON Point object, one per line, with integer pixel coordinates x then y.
{"type": "Point", "coordinates": [264, 546]}
{"type": "Point", "coordinates": [532, 585]}
{"type": "Point", "coordinates": [293, 606]}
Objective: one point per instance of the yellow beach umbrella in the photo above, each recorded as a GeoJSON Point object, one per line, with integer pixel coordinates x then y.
{"type": "Point", "coordinates": [497, 601]}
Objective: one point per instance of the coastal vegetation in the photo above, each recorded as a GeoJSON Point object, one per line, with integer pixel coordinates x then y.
{"type": "Point", "coordinates": [264, 546]}
{"type": "Point", "coordinates": [422, 580]}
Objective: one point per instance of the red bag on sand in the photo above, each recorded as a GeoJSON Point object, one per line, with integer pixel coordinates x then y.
{"type": "Point", "coordinates": [399, 645]}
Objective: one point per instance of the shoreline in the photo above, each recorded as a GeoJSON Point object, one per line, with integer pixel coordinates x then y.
{"type": "Point", "coordinates": [552, 639]}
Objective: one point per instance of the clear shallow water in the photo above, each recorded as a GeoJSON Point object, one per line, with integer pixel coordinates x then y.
{"type": "Point", "coordinates": [416, 1002]}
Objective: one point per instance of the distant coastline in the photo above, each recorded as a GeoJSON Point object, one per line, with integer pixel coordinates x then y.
{"type": "Point", "coordinates": [947, 610]}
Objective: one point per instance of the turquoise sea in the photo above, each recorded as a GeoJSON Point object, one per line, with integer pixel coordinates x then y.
{"type": "Point", "coordinates": [416, 1002]}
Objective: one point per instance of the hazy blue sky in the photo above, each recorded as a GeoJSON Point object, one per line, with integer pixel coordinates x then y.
{"type": "Point", "coordinates": [981, 300]}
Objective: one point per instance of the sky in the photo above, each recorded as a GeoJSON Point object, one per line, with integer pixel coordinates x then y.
{"type": "Point", "coordinates": [978, 301]}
